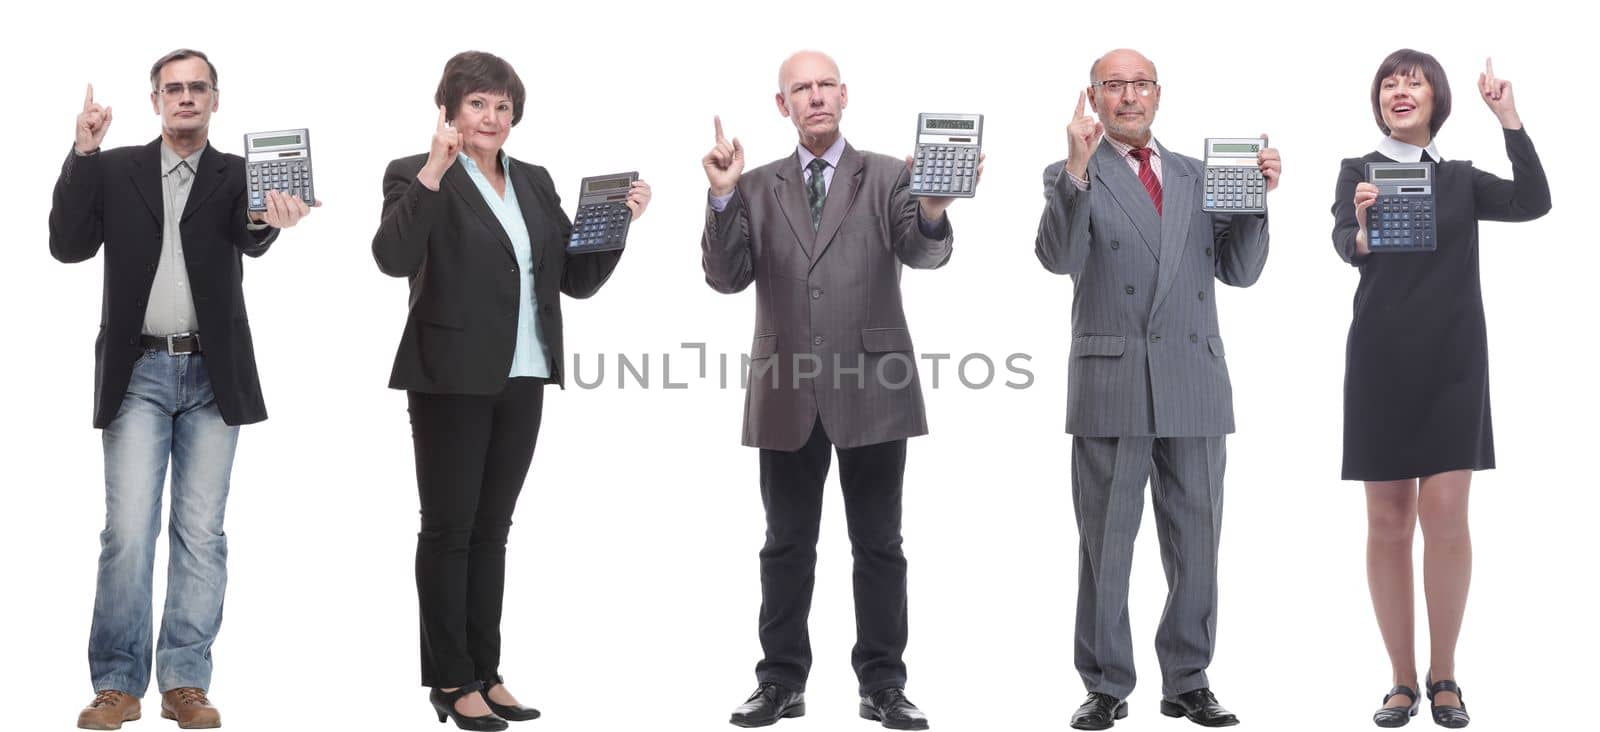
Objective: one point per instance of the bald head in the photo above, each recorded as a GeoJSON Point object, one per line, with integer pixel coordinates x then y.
{"type": "Point", "coordinates": [1122, 59]}
{"type": "Point", "coordinates": [806, 64]}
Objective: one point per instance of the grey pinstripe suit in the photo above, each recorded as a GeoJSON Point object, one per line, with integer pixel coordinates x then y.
{"type": "Point", "coordinates": [1148, 398]}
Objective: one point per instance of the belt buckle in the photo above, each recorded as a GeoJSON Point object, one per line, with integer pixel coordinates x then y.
{"type": "Point", "coordinates": [173, 337]}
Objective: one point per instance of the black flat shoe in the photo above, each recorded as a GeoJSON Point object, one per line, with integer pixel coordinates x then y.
{"type": "Point", "coordinates": [1454, 717]}
{"type": "Point", "coordinates": [1388, 716]}
{"type": "Point", "coordinates": [892, 708]}
{"type": "Point", "coordinates": [1099, 711]}
{"type": "Point", "coordinates": [444, 704]}
{"type": "Point", "coordinates": [1201, 707]}
{"type": "Point", "coordinates": [513, 713]}
{"type": "Point", "coordinates": [770, 703]}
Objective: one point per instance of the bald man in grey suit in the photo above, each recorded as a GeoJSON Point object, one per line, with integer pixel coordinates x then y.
{"type": "Point", "coordinates": [1148, 396]}
{"type": "Point", "coordinates": [823, 233]}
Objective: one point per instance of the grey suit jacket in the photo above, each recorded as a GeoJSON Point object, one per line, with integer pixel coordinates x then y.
{"type": "Point", "coordinates": [830, 339]}
{"type": "Point", "coordinates": [1147, 355]}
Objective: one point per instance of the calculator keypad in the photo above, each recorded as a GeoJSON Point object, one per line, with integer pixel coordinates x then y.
{"type": "Point", "coordinates": [1235, 188]}
{"type": "Point", "coordinates": [292, 177]}
{"type": "Point", "coordinates": [1401, 222]}
{"type": "Point", "coordinates": [601, 225]}
{"type": "Point", "coordinates": [944, 170]}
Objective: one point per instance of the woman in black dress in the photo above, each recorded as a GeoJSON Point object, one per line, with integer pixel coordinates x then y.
{"type": "Point", "coordinates": [1416, 406]}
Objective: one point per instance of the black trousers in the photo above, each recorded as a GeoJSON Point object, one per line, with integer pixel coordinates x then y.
{"type": "Point", "coordinates": [791, 490]}
{"type": "Point", "coordinates": [472, 456]}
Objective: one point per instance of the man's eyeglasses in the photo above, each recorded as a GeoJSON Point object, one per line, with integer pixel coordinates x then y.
{"type": "Point", "coordinates": [175, 90]}
{"type": "Point", "coordinates": [1115, 87]}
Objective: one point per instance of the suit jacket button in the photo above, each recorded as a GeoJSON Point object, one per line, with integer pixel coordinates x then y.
{"type": "Point", "coordinates": [1128, 289]}
{"type": "Point", "coordinates": [1202, 294]}
{"type": "Point", "coordinates": [1208, 251]}
{"type": "Point", "coordinates": [1118, 245]}
{"type": "Point", "coordinates": [1194, 338]}
{"type": "Point", "coordinates": [546, 308]}
{"type": "Point", "coordinates": [816, 293]}
{"type": "Point", "coordinates": [816, 341]}
{"type": "Point", "coordinates": [1155, 339]}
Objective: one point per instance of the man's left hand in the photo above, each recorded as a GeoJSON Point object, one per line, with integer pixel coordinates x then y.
{"type": "Point", "coordinates": [283, 210]}
{"type": "Point", "coordinates": [1271, 165]}
{"type": "Point", "coordinates": [933, 206]}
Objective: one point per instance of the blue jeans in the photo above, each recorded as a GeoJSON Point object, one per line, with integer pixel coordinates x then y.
{"type": "Point", "coordinates": [168, 412]}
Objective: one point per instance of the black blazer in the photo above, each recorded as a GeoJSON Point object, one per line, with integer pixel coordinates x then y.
{"type": "Point", "coordinates": [465, 286]}
{"type": "Point", "coordinates": [114, 197]}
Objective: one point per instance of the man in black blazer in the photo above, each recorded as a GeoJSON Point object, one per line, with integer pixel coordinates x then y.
{"type": "Point", "coordinates": [175, 376]}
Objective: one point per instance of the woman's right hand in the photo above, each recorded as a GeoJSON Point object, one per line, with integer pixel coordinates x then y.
{"type": "Point", "coordinates": [447, 143]}
{"type": "Point", "coordinates": [1366, 195]}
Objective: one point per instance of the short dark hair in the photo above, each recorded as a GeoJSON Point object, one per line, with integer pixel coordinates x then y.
{"type": "Point", "coordinates": [179, 55]}
{"type": "Point", "coordinates": [477, 71]}
{"type": "Point", "coordinates": [1410, 63]}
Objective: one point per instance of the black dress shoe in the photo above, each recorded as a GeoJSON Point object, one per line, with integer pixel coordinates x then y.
{"type": "Point", "coordinates": [1388, 716]}
{"type": "Point", "coordinates": [892, 708]}
{"type": "Point", "coordinates": [1201, 707]}
{"type": "Point", "coordinates": [770, 703]}
{"type": "Point", "coordinates": [444, 703]}
{"type": "Point", "coordinates": [1099, 711]}
{"type": "Point", "coordinates": [1454, 717]}
{"type": "Point", "coordinates": [513, 713]}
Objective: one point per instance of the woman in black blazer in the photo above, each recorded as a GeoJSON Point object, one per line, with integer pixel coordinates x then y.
{"type": "Point", "coordinates": [482, 238]}
{"type": "Point", "coordinates": [1416, 405]}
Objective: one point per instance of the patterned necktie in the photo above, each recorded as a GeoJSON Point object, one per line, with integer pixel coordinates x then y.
{"type": "Point", "coordinates": [1147, 175]}
{"type": "Point", "coordinates": [816, 191]}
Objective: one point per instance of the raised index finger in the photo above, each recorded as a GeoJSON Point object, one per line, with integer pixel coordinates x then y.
{"type": "Point", "coordinates": [1488, 66]}
{"type": "Point", "coordinates": [717, 120]}
{"type": "Point", "coordinates": [1081, 96]}
{"type": "Point", "coordinates": [88, 96]}
{"type": "Point", "coordinates": [441, 126]}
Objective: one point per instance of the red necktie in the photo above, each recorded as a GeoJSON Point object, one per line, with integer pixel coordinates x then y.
{"type": "Point", "coordinates": [1147, 175]}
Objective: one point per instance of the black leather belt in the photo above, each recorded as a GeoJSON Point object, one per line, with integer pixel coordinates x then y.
{"type": "Point", "coordinates": [174, 345]}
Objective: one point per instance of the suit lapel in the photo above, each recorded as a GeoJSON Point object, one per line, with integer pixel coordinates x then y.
{"type": "Point", "coordinates": [208, 176]}
{"type": "Point", "coordinates": [462, 186]}
{"type": "Point", "coordinates": [1177, 196]}
{"type": "Point", "coordinates": [1113, 173]}
{"type": "Point", "coordinates": [841, 195]}
{"type": "Point", "coordinates": [147, 178]}
{"type": "Point", "coordinates": [533, 205]}
{"type": "Point", "coordinates": [791, 193]}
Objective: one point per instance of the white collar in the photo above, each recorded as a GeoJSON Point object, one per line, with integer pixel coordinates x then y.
{"type": "Point", "coordinates": [1405, 152]}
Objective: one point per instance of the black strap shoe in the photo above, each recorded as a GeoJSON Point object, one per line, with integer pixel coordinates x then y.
{"type": "Point", "coordinates": [1201, 707]}
{"type": "Point", "coordinates": [892, 708]}
{"type": "Point", "coordinates": [1388, 716]}
{"type": "Point", "coordinates": [444, 704]}
{"type": "Point", "coordinates": [1099, 711]}
{"type": "Point", "coordinates": [513, 713]}
{"type": "Point", "coordinates": [1454, 717]}
{"type": "Point", "coordinates": [770, 703]}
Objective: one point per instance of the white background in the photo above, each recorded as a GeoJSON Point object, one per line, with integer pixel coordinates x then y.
{"type": "Point", "coordinates": [633, 590]}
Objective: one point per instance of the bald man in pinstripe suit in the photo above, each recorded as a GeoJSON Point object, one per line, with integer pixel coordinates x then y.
{"type": "Point", "coordinates": [1148, 391]}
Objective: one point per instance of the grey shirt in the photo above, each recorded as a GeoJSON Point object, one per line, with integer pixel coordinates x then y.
{"type": "Point", "coordinates": [171, 302]}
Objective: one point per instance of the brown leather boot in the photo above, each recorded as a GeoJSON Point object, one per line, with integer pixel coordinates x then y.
{"type": "Point", "coordinates": [109, 710]}
{"type": "Point", "coordinates": [190, 707]}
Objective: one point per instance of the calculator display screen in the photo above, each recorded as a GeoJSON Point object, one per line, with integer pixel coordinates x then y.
{"type": "Point", "coordinates": [275, 141]}
{"type": "Point", "coordinates": [1223, 147]}
{"type": "Point", "coordinates": [607, 184]}
{"type": "Point", "coordinates": [951, 124]}
{"type": "Point", "coordinates": [1400, 174]}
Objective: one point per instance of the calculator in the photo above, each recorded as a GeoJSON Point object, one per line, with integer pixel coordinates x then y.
{"type": "Point", "coordinates": [1234, 183]}
{"type": "Point", "coordinates": [1402, 219]}
{"type": "Point", "coordinates": [279, 161]}
{"type": "Point", "coordinates": [946, 163]}
{"type": "Point", "coordinates": [603, 214]}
